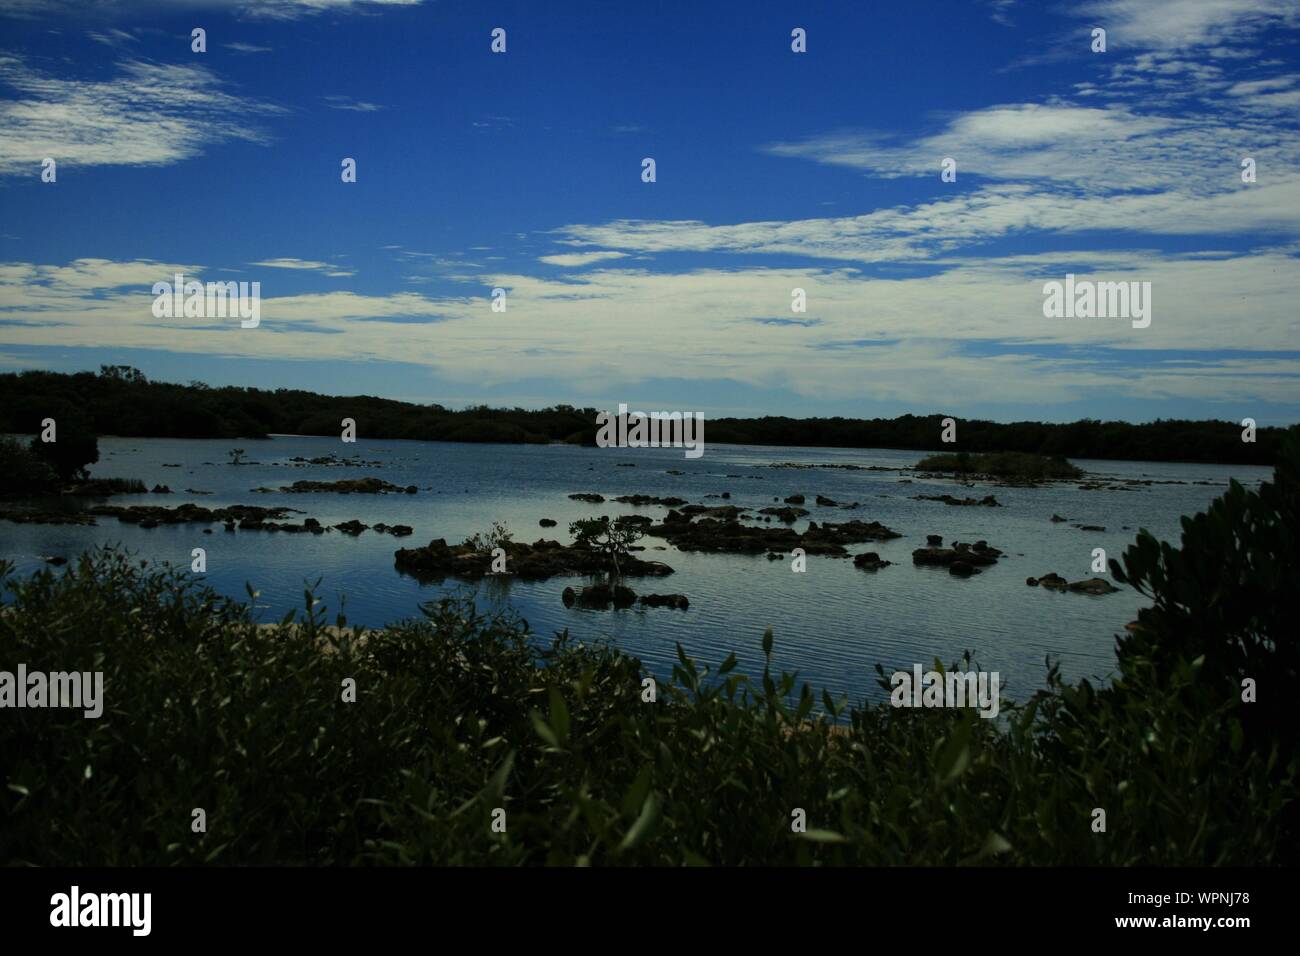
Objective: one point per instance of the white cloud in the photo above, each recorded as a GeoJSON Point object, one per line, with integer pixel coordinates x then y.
{"type": "Point", "coordinates": [866, 338]}
{"type": "Point", "coordinates": [253, 9]}
{"type": "Point", "coordinates": [571, 259]}
{"type": "Point", "coordinates": [1181, 24]}
{"type": "Point", "coordinates": [150, 115]}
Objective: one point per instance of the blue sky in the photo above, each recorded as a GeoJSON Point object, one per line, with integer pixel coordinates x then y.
{"type": "Point", "coordinates": [775, 170]}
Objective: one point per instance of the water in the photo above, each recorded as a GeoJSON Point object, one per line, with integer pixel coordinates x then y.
{"type": "Point", "coordinates": [832, 623]}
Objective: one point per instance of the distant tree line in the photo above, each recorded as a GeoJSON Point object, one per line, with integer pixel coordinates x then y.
{"type": "Point", "coordinates": [120, 400]}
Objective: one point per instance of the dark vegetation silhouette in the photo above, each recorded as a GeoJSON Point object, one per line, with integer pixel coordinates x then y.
{"type": "Point", "coordinates": [120, 400]}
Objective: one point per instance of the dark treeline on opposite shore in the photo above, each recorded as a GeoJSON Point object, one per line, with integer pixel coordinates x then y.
{"type": "Point", "coordinates": [120, 400]}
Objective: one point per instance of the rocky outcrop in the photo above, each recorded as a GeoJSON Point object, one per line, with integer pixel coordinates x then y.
{"type": "Point", "coordinates": [599, 597]}
{"type": "Point", "coordinates": [547, 522]}
{"type": "Point", "coordinates": [987, 501]}
{"type": "Point", "coordinates": [588, 496]}
{"type": "Point", "coordinates": [1054, 582]}
{"type": "Point", "coordinates": [788, 515]}
{"type": "Point", "coordinates": [961, 559]}
{"type": "Point", "coordinates": [730, 536]}
{"type": "Point", "coordinates": [344, 486]}
{"type": "Point", "coordinates": [150, 516]}
{"type": "Point", "coordinates": [537, 561]}
{"type": "Point", "coordinates": [642, 500]}
{"type": "Point", "coordinates": [869, 561]}
{"type": "Point", "coordinates": [795, 500]}
{"type": "Point", "coordinates": [677, 601]}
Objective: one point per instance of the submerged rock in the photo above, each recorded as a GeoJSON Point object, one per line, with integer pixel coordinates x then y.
{"type": "Point", "coordinates": [678, 601]}
{"type": "Point", "coordinates": [640, 500]}
{"type": "Point", "coordinates": [599, 596]}
{"type": "Point", "coordinates": [987, 501]}
{"type": "Point", "coordinates": [870, 561]}
{"type": "Point", "coordinates": [588, 496]}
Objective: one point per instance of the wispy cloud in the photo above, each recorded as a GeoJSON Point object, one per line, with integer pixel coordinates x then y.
{"type": "Point", "coordinates": [348, 103]}
{"type": "Point", "coordinates": [252, 9]}
{"type": "Point", "coordinates": [304, 265]}
{"type": "Point", "coordinates": [572, 259]}
{"type": "Point", "coordinates": [149, 115]}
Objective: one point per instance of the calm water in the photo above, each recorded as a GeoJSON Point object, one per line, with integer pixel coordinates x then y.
{"type": "Point", "coordinates": [832, 623]}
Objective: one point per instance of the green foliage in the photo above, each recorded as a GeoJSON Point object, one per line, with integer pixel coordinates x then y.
{"type": "Point", "coordinates": [22, 472]}
{"type": "Point", "coordinates": [613, 539]}
{"type": "Point", "coordinates": [1010, 465]}
{"type": "Point", "coordinates": [498, 537]}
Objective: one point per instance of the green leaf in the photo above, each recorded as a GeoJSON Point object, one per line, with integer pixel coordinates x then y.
{"type": "Point", "coordinates": [636, 794]}
{"type": "Point", "coordinates": [767, 642]}
{"type": "Point", "coordinates": [824, 836]}
{"type": "Point", "coordinates": [727, 665]}
{"type": "Point", "coordinates": [559, 715]}
{"type": "Point", "coordinates": [641, 830]}
{"type": "Point", "coordinates": [954, 756]}
{"type": "Point", "coordinates": [543, 729]}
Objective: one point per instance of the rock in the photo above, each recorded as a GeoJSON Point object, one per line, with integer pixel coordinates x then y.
{"type": "Point", "coordinates": [726, 494]}
{"type": "Point", "coordinates": [161, 490]}
{"type": "Point", "coordinates": [827, 502]}
{"type": "Point", "coordinates": [599, 597]}
{"type": "Point", "coordinates": [678, 601]}
{"type": "Point", "coordinates": [353, 527]}
{"type": "Point", "coordinates": [1093, 586]}
{"type": "Point", "coordinates": [959, 552]}
{"type": "Point", "coordinates": [639, 500]}
{"type": "Point", "coordinates": [934, 540]}
{"type": "Point", "coordinates": [537, 561]}
{"type": "Point", "coordinates": [962, 569]}
{"type": "Point", "coordinates": [987, 501]}
{"type": "Point", "coordinates": [345, 486]}
{"type": "Point", "coordinates": [1091, 527]}
{"type": "Point", "coordinates": [1058, 518]}
{"type": "Point", "coordinates": [1055, 582]}
{"type": "Point", "coordinates": [396, 530]}
{"type": "Point", "coordinates": [869, 561]}
{"type": "Point", "coordinates": [411, 489]}
{"type": "Point", "coordinates": [730, 536]}
{"type": "Point", "coordinates": [591, 497]}
{"type": "Point", "coordinates": [788, 515]}
{"type": "Point", "coordinates": [547, 522]}
{"type": "Point", "coordinates": [794, 500]}
{"type": "Point", "coordinates": [56, 561]}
